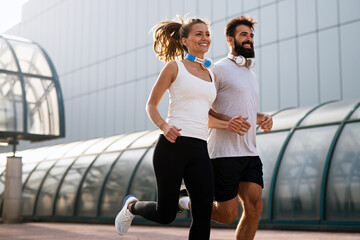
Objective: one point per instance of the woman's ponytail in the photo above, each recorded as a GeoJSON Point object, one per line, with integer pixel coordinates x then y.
{"type": "Point", "coordinates": [167, 41]}
{"type": "Point", "coordinates": [167, 37]}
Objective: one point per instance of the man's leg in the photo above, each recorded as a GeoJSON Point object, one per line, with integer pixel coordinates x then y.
{"type": "Point", "coordinates": [225, 212]}
{"type": "Point", "coordinates": [250, 196]}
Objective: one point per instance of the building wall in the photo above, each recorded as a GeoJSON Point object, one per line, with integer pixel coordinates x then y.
{"type": "Point", "coordinates": [307, 53]}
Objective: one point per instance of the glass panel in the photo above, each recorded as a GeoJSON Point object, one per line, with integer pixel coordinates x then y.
{"type": "Point", "coordinates": [288, 118]}
{"type": "Point", "coordinates": [327, 13]}
{"type": "Point", "coordinates": [288, 74]}
{"type": "Point", "coordinates": [2, 180]}
{"type": "Point", "coordinates": [236, 7]}
{"type": "Point", "coordinates": [269, 146]}
{"type": "Point", "coordinates": [143, 185]}
{"type": "Point", "coordinates": [343, 185]}
{"type": "Point", "coordinates": [350, 52]}
{"type": "Point", "coordinates": [329, 66]}
{"type": "Point", "coordinates": [298, 184]}
{"type": "Point", "coordinates": [62, 149]}
{"type": "Point", "coordinates": [250, 4]}
{"type": "Point", "coordinates": [269, 77]}
{"type": "Point", "coordinates": [67, 193]}
{"type": "Point", "coordinates": [2, 188]}
{"type": "Point", "coordinates": [125, 141]}
{"type": "Point", "coordinates": [349, 10]}
{"type": "Point", "coordinates": [3, 158]}
{"type": "Point", "coordinates": [46, 197]}
{"type": "Point", "coordinates": [218, 45]}
{"type": "Point", "coordinates": [31, 59]}
{"type": "Point", "coordinates": [80, 148]}
{"type": "Point", "coordinates": [43, 112]}
{"type": "Point", "coordinates": [26, 170]}
{"type": "Point", "coordinates": [32, 186]}
{"type": "Point", "coordinates": [268, 30]}
{"type": "Point", "coordinates": [101, 145]}
{"type": "Point", "coordinates": [90, 190]}
{"type": "Point", "coordinates": [118, 181]}
{"type": "Point", "coordinates": [306, 16]}
{"type": "Point", "coordinates": [356, 114]}
{"type": "Point", "coordinates": [36, 155]}
{"type": "Point", "coordinates": [286, 20]}
{"type": "Point", "coordinates": [308, 69]}
{"type": "Point", "coordinates": [11, 103]}
{"type": "Point", "coordinates": [147, 140]}
{"type": "Point", "coordinates": [331, 112]}
{"type": "Point", "coordinates": [7, 61]}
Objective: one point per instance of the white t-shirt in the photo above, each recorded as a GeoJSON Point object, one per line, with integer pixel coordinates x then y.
{"type": "Point", "coordinates": [237, 94]}
{"type": "Point", "coordinates": [190, 100]}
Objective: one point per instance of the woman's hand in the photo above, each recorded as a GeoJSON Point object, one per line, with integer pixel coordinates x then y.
{"type": "Point", "coordinates": [171, 132]}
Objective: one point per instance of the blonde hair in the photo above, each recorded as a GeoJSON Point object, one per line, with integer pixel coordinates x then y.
{"type": "Point", "coordinates": [167, 37]}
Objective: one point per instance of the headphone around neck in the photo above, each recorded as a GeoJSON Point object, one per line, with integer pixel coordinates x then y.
{"type": "Point", "coordinates": [205, 63]}
{"type": "Point", "coordinates": [241, 61]}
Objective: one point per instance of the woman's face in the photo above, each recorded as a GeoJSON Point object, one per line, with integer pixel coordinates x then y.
{"type": "Point", "coordinates": [198, 40]}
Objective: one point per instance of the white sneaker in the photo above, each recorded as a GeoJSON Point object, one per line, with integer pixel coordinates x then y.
{"type": "Point", "coordinates": [124, 218]}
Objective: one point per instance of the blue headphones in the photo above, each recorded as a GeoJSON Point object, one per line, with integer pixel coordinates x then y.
{"type": "Point", "coordinates": [205, 63]}
{"type": "Point", "coordinates": [241, 61]}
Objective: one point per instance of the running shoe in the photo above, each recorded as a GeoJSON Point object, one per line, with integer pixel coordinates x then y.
{"type": "Point", "coordinates": [124, 218]}
{"type": "Point", "coordinates": [183, 193]}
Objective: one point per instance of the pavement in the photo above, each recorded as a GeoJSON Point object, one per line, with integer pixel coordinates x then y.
{"type": "Point", "coordinates": [78, 231]}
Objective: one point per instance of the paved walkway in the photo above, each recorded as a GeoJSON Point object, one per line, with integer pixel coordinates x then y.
{"type": "Point", "coordinates": [76, 231]}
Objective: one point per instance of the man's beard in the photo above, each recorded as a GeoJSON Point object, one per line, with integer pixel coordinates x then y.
{"type": "Point", "coordinates": [245, 52]}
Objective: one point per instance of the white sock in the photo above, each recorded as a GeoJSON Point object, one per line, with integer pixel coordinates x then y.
{"type": "Point", "coordinates": [184, 202]}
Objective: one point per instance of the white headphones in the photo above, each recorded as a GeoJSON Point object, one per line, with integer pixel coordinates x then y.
{"type": "Point", "coordinates": [205, 63]}
{"type": "Point", "coordinates": [241, 61]}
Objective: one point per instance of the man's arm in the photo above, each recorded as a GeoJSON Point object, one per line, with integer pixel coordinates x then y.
{"type": "Point", "coordinates": [265, 121]}
{"type": "Point", "coordinates": [233, 124]}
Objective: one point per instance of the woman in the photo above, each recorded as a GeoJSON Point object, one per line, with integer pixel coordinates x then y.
{"type": "Point", "coordinates": [181, 151]}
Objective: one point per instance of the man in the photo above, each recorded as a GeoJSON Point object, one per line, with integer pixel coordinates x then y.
{"type": "Point", "coordinates": [236, 163]}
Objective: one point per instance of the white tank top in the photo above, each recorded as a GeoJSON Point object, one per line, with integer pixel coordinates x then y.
{"type": "Point", "coordinates": [190, 99]}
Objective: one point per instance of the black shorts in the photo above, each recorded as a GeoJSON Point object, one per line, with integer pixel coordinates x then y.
{"type": "Point", "coordinates": [229, 171]}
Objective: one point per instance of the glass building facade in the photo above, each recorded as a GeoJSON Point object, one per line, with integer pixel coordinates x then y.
{"type": "Point", "coordinates": [306, 54]}
{"type": "Point", "coordinates": [311, 172]}
{"type": "Point", "coordinates": [31, 105]}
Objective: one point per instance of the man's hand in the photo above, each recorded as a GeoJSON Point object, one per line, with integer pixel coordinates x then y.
{"type": "Point", "coordinates": [266, 123]}
{"type": "Point", "coordinates": [238, 125]}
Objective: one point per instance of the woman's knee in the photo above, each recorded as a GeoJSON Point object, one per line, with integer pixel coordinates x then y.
{"type": "Point", "coordinates": [167, 218]}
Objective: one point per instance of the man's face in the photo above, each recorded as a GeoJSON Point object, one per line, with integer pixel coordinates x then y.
{"type": "Point", "coordinates": [244, 41]}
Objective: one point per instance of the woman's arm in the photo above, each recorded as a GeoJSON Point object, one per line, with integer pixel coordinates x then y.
{"type": "Point", "coordinates": [166, 77]}
{"type": "Point", "coordinates": [219, 115]}
{"type": "Point", "coordinates": [236, 124]}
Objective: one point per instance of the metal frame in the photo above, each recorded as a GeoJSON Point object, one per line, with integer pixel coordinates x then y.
{"type": "Point", "coordinates": [269, 222]}
{"type": "Point", "coordinates": [16, 135]}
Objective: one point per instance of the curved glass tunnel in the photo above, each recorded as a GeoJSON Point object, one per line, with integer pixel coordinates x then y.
{"type": "Point", "coordinates": [31, 104]}
{"type": "Point", "coordinates": [311, 171]}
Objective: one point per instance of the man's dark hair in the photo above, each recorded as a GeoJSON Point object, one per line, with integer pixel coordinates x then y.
{"type": "Point", "coordinates": [242, 20]}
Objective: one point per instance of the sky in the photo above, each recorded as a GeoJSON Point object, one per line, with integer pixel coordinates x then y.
{"type": "Point", "coordinates": [10, 13]}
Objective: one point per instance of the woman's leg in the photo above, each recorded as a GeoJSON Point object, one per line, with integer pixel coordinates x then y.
{"type": "Point", "coordinates": [199, 183]}
{"type": "Point", "coordinates": [169, 168]}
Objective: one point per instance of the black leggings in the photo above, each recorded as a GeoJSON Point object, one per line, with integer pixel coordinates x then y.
{"type": "Point", "coordinates": [186, 158]}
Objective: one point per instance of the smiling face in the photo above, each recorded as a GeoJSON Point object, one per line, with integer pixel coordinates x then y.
{"type": "Point", "coordinates": [243, 42]}
{"type": "Point", "coordinates": [198, 40]}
